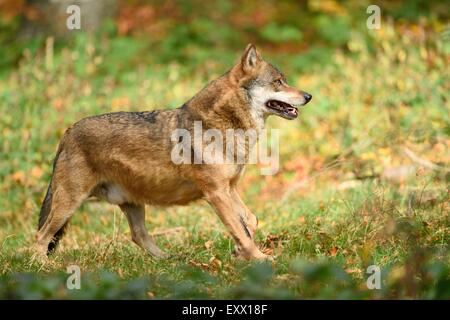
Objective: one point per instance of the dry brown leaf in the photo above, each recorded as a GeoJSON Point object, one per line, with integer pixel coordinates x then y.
{"type": "Point", "coordinates": [199, 265]}
{"type": "Point", "coordinates": [18, 176]}
{"type": "Point", "coordinates": [58, 104]}
{"type": "Point", "coordinates": [36, 172]}
{"type": "Point", "coordinates": [353, 270]}
{"type": "Point", "coordinates": [302, 220]}
{"type": "Point", "coordinates": [208, 244]}
{"type": "Point", "coordinates": [215, 263]}
{"type": "Point", "coordinates": [333, 251]}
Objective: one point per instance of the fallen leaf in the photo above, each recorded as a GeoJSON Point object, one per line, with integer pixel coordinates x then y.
{"type": "Point", "coordinates": [19, 177]}
{"type": "Point", "coordinates": [353, 270]}
{"type": "Point", "coordinates": [202, 265]}
{"type": "Point", "coordinates": [58, 104]}
{"type": "Point", "coordinates": [208, 244]}
{"type": "Point", "coordinates": [36, 172]}
{"type": "Point", "coordinates": [216, 263]}
{"type": "Point", "coordinates": [104, 220]}
{"type": "Point", "coordinates": [333, 251]}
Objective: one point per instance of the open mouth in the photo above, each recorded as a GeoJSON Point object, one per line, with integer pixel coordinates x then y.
{"type": "Point", "coordinates": [282, 109]}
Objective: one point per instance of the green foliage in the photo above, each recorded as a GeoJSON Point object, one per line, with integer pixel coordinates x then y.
{"type": "Point", "coordinates": [334, 30]}
{"type": "Point", "coordinates": [280, 33]}
{"type": "Point", "coordinates": [323, 280]}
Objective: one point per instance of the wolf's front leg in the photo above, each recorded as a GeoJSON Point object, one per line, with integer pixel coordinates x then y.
{"type": "Point", "coordinates": [231, 213]}
{"type": "Point", "coordinates": [250, 219]}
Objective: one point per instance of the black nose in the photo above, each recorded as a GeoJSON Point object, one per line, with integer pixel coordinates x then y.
{"type": "Point", "coordinates": [307, 97]}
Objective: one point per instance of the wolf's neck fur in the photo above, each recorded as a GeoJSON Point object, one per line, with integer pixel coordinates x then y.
{"type": "Point", "coordinates": [222, 105]}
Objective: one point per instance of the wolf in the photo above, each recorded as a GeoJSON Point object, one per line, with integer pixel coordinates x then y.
{"type": "Point", "coordinates": [125, 157]}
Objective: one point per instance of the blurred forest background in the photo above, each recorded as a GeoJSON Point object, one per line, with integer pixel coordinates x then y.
{"type": "Point", "coordinates": [364, 176]}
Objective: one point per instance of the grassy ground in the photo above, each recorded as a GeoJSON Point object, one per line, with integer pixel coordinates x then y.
{"type": "Point", "coordinates": [363, 178]}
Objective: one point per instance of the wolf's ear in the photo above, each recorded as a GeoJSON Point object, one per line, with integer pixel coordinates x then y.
{"type": "Point", "coordinates": [251, 58]}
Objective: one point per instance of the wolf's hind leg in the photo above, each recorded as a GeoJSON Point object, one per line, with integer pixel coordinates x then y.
{"type": "Point", "coordinates": [136, 219]}
{"type": "Point", "coordinates": [71, 184]}
{"type": "Point", "coordinates": [63, 206]}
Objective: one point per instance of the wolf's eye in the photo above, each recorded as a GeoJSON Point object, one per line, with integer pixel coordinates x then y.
{"type": "Point", "coordinates": [278, 82]}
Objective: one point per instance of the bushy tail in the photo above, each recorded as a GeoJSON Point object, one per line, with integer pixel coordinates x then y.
{"type": "Point", "coordinates": [46, 208]}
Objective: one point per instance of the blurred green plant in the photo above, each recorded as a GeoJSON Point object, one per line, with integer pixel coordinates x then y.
{"type": "Point", "coordinates": [318, 280]}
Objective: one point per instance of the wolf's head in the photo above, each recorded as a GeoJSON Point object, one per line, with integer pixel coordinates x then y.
{"type": "Point", "coordinates": [266, 87]}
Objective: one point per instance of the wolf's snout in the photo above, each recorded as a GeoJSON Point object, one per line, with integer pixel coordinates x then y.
{"type": "Point", "coordinates": [307, 97]}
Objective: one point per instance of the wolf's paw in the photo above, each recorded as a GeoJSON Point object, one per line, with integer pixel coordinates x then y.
{"type": "Point", "coordinates": [38, 258]}
{"type": "Point", "coordinates": [158, 253]}
{"type": "Point", "coordinates": [263, 257]}
{"type": "Point", "coordinates": [162, 255]}
{"type": "Point", "coordinates": [255, 255]}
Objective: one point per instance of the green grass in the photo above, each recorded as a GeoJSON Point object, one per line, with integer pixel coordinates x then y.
{"type": "Point", "coordinates": [331, 211]}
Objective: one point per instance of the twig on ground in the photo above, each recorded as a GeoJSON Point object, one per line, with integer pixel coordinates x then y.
{"type": "Point", "coordinates": [423, 162]}
{"type": "Point", "coordinates": [166, 232]}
